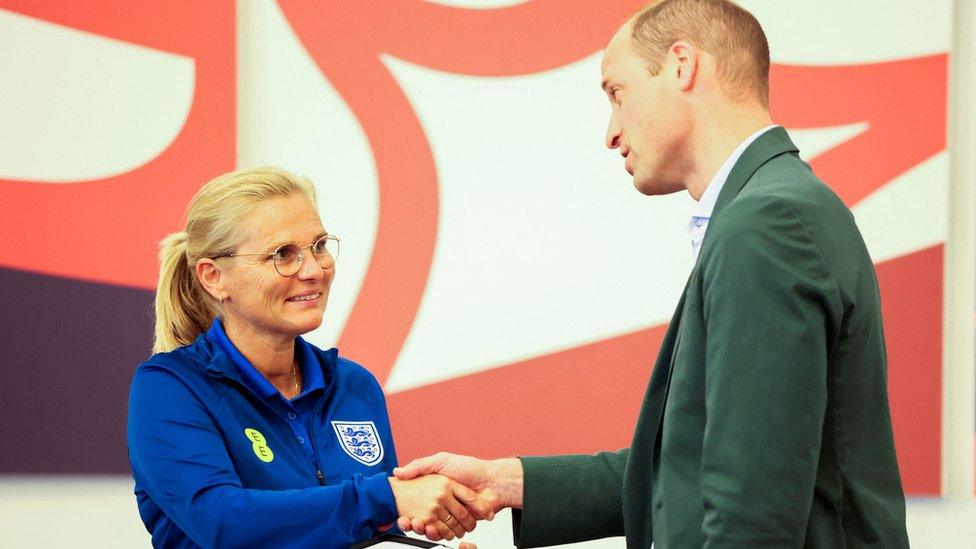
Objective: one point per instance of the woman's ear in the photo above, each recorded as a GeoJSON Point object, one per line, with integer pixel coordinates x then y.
{"type": "Point", "coordinates": [210, 276]}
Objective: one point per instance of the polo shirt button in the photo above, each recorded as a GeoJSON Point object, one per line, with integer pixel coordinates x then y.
{"type": "Point", "coordinates": [301, 440]}
{"type": "Point", "coordinates": [291, 415]}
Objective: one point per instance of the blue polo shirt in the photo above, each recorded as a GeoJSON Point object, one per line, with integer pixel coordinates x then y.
{"type": "Point", "coordinates": [220, 458]}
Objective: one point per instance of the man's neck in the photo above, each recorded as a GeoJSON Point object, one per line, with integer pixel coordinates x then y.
{"type": "Point", "coordinates": [716, 137]}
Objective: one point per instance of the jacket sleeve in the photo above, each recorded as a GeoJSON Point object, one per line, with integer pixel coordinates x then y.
{"type": "Point", "coordinates": [570, 498]}
{"type": "Point", "coordinates": [770, 307]}
{"type": "Point", "coordinates": [178, 455]}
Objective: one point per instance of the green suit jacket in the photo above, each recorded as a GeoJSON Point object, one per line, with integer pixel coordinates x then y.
{"type": "Point", "coordinates": [766, 420]}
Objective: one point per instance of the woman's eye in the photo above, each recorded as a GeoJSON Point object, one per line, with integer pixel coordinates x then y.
{"type": "Point", "coordinates": [320, 246]}
{"type": "Point", "coordinates": [284, 254]}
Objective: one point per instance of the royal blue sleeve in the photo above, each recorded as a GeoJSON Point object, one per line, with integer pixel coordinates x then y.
{"type": "Point", "coordinates": [179, 458]}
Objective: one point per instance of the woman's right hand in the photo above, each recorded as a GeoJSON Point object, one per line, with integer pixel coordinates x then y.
{"type": "Point", "coordinates": [448, 509]}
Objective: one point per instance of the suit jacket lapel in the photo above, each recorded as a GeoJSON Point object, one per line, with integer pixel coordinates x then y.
{"type": "Point", "coordinates": [638, 487]}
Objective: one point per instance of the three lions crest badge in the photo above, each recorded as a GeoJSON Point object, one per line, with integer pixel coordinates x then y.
{"type": "Point", "coordinates": [360, 440]}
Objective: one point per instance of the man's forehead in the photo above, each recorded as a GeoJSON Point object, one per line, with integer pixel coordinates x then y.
{"type": "Point", "coordinates": [605, 62]}
{"type": "Point", "coordinates": [604, 68]}
{"type": "Point", "coordinates": [618, 45]}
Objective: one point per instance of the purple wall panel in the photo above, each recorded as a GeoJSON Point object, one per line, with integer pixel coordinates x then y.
{"type": "Point", "coordinates": [67, 355]}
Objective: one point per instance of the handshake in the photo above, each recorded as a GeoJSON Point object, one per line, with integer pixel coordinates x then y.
{"type": "Point", "coordinates": [444, 495]}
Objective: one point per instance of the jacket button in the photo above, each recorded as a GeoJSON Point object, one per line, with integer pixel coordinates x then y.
{"type": "Point", "coordinates": [291, 415]}
{"type": "Point", "coordinates": [301, 440]}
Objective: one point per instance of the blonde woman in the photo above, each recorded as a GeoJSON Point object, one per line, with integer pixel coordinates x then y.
{"type": "Point", "coordinates": [240, 432]}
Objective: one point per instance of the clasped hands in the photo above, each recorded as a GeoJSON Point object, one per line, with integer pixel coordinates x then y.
{"type": "Point", "coordinates": [444, 495]}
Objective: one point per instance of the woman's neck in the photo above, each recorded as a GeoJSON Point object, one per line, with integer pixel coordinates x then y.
{"type": "Point", "coordinates": [273, 355]}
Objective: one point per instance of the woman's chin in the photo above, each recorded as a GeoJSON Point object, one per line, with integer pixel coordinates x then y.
{"type": "Point", "coordinates": [308, 321]}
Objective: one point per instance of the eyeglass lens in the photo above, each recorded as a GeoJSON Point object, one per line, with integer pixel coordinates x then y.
{"type": "Point", "coordinates": [288, 258]}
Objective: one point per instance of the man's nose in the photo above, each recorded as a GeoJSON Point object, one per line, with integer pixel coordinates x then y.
{"type": "Point", "coordinates": [613, 134]}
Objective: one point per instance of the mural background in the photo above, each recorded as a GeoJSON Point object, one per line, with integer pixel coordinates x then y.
{"type": "Point", "coordinates": [498, 269]}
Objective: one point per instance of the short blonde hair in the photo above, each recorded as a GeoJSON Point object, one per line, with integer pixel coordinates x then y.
{"type": "Point", "coordinates": [213, 219]}
{"type": "Point", "coordinates": [729, 33]}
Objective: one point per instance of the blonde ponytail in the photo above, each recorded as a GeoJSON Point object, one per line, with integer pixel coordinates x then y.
{"type": "Point", "coordinates": [213, 221]}
{"type": "Point", "coordinates": [183, 311]}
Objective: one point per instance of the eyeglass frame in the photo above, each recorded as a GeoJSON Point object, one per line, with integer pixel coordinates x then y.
{"type": "Point", "coordinates": [301, 255]}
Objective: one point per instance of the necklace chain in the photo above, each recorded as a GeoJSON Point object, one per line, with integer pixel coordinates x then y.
{"type": "Point", "coordinates": [294, 377]}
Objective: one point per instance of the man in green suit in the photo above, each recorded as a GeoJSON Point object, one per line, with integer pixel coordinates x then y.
{"type": "Point", "coordinates": [766, 421]}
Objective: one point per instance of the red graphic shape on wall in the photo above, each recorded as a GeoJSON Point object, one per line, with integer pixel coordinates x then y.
{"type": "Point", "coordinates": [575, 401]}
{"type": "Point", "coordinates": [906, 124]}
{"type": "Point", "coordinates": [107, 230]}
{"type": "Point", "coordinates": [911, 297]}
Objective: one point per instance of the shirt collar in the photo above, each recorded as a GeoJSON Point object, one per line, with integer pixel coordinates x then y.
{"type": "Point", "coordinates": [254, 379]}
{"type": "Point", "coordinates": [707, 202]}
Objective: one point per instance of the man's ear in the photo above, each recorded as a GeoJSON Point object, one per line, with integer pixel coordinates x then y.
{"type": "Point", "coordinates": [683, 58]}
{"type": "Point", "coordinates": [210, 276]}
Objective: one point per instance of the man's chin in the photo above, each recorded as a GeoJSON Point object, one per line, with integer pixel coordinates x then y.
{"type": "Point", "coordinates": [646, 188]}
{"type": "Point", "coordinates": [652, 187]}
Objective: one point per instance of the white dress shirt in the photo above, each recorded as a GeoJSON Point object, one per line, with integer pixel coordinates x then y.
{"type": "Point", "coordinates": [703, 211]}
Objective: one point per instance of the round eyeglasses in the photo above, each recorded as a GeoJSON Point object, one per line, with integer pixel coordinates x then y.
{"type": "Point", "coordinates": [289, 257]}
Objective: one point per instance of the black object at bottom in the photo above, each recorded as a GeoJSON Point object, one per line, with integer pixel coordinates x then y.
{"type": "Point", "coordinates": [393, 538]}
